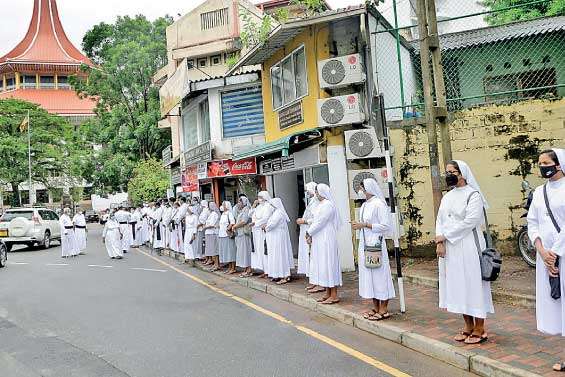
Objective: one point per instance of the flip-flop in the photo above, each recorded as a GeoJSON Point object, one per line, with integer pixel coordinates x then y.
{"type": "Point", "coordinates": [476, 339]}
{"type": "Point", "coordinates": [375, 317]}
{"type": "Point", "coordinates": [385, 315]}
{"type": "Point", "coordinates": [559, 367]}
{"type": "Point", "coordinates": [330, 302]}
{"type": "Point", "coordinates": [369, 314]}
{"type": "Point", "coordinates": [282, 282]}
{"type": "Point", "coordinates": [310, 287]}
{"type": "Point", "coordinates": [317, 290]}
{"type": "Point", "coordinates": [322, 299]}
{"type": "Point", "coordinates": [461, 336]}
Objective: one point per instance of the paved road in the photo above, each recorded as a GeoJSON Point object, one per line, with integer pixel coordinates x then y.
{"type": "Point", "coordinates": [92, 316]}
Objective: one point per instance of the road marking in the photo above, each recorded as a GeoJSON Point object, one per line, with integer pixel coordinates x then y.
{"type": "Point", "coordinates": [57, 264]}
{"type": "Point", "coordinates": [18, 263]}
{"type": "Point", "coordinates": [99, 265]}
{"type": "Point", "coordinates": [331, 342]}
{"type": "Point", "coordinates": [148, 269]}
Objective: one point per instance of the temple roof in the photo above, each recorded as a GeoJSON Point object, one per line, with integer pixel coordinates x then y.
{"type": "Point", "coordinates": [45, 41]}
{"type": "Point", "coordinates": [56, 101]}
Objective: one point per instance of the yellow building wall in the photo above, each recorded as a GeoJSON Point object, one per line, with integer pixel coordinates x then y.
{"type": "Point", "coordinates": [482, 137]}
{"type": "Point", "coordinates": [315, 41]}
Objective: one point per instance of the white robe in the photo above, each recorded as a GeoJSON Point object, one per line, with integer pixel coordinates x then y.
{"type": "Point", "coordinates": [112, 238]}
{"type": "Point", "coordinates": [375, 283]}
{"type": "Point", "coordinates": [279, 246]}
{"type": "Point", "coordinates": [189, 246]}
{"type": "Point", "coordinates": [174, 243]}
{"type": "Point", "coordinates": [123, 218]}
{"type": "Point", "coordinates": [180, 220]}
{"type": "Point", "coordinates": [158, 229]}
{"type": "Point", "coordinates": [326, 266]}
{"type": "Point", "coordinates": [68, 240]}
{"type": "Point", "coordinates": [260, 215]}
{"type": "Point", "coordinates": [137, 239]}
{"type": "Point", "coordinates": [303, 247]}
{"type": "Point", "coordinates": [80, 233]}
{"type": "Point", "coordinates": [550, 313]}
{"type": "Point", "coordinates": [167, 216]}
{"type": "Point", "coordinates": [146, 228]}
{"type": "Point", "coordinates": [461, 287]}
{"type": "Point", "coordinates": [202, 217]}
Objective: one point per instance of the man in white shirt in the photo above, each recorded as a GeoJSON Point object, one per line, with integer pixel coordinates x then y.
{"type": "Point", "coordinates": [123, 217]}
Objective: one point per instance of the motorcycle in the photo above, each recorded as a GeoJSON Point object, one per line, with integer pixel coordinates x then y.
{"type": "Point", "coordinates": [527, 249]}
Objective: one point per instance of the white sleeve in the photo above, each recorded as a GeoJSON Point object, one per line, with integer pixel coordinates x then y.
{"type": "Point", "coordinates": [533, 221]}
{"type": "Point", "coordinates": [274, 220]}
{"type": "Point", "coordinates": [320, 220]}
{"type": "Point", "coordinates": [381, 221]}
{"type": "Point", "coordinates": [458, 230]}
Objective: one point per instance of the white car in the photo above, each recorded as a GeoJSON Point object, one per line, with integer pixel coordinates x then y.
{"type": "Point", "coordinates": [29, 226]}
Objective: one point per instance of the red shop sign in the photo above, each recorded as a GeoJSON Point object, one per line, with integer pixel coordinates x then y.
{"type": "Point", "coordinates": [227, 168]}
{"type": "Point", "coordinates": [189, 179]}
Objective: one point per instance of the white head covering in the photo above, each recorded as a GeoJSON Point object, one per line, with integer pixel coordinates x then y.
{"type": "Point", "coordinates": [561, 157]}
{"type": "Point", "coordinates": [325, 192]}
{"type": "Point", "coordinates": [227, 206]}
{"type": "Point", "coordinates": [244, 200]}
{"type": "Point", "coordinates": [204, 203]}
{"type": "Point", "coordinates": [278, 204]}
{"type": "Point", "coordinates": [372, 187]}
{"type": "Point", "coordinates": [264, 195]}
{"type": "Point", "coordinates": [470, 178]}
{"type": "Point", "coordinates": [311, 187]}
{"type": "Point", "coordinates": [213, 207]}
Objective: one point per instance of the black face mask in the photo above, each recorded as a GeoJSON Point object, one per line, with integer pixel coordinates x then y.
{"type": "Point", "coordinates": [451, 179]}
{"type": "Point", "coordinates": [548, 171]}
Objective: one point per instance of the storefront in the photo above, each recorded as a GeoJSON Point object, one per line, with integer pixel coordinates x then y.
{"type": "Point", "coordinates": [232, 178]}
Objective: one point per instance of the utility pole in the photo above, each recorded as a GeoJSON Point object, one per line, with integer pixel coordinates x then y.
{"type": "Point", "coordinates": [421, 10]}
{"type": "Point", "coordinates": [29, 158]}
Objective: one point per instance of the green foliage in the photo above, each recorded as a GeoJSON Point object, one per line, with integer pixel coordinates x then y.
{"type": "Point", "coordinates": [281, 15]}
{"type": "Point", "coordinates": [55, 146]}
{"type": "Point", "coordinates": [311, 7]}
{"type": "Point", "coordinates": [527, 12]}
{"type": "Point", "coordinates": [150, 181]}
{"type": "Point", "coordinates": [232, 60]}
{"type": "Point", "coordinates": [128, 53]}
{"type": "Point", "coordinates": [254, 32]}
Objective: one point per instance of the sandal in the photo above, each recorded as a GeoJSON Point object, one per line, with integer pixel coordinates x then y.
{"type": "Point", "coordinates": [385, 315]}
{"type": "Point", "coordinates": [375, 317]}
{"type": "Point", "coordinates": [310, 286]}
{"type": "Point", "coordinates": [462, 336]}
{"type": "Point", "coordinates": [369, 314]}
{"type": "Point", "coordinates": [559, 367]}
{"type": "Point", "coordinates": [322, 299]}
{"type": "Point", "coordinates": [330, 301]}
{"type": "Point", "coordinates": [476, 339]}
{"type": "Point", "coordinates": [317, 290]}
{"type": "Point", "coordinates": [282, 281]}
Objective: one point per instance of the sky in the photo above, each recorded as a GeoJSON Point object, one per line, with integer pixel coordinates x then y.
{"type": "Point", "coordinates": [78, 16]}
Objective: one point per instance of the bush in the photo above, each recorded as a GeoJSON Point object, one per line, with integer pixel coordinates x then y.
{"type": "Point", "coordinates": [150, 181]}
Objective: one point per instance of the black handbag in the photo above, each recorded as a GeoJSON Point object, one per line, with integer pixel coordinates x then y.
{"type": "Point", "coordinates": [490, 258]}
{"type": "Point", "coordinates": [554, 281]}
{"type": "Point", "coordinates": [265, 245]}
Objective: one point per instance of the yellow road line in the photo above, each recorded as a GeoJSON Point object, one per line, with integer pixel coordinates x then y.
{"type": "Point", "coordinates": [340, 346]}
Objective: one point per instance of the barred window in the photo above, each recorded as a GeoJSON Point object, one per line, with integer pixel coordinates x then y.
{"type": "Point", "coordinates": [213, 19]}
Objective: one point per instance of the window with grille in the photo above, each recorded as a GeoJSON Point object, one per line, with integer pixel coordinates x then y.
{"type": "Point", "coordinates": [521, 85]}
{"type": "Point", "coordinates": [213, 19]}
{"type": "Point", "coordinates": [28, 81]}
{"type": "Point", "coordinates": [47, 82]}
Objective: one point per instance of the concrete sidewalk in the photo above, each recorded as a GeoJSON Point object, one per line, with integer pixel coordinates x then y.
{"type": "Point", "coordinates": [515, 347]}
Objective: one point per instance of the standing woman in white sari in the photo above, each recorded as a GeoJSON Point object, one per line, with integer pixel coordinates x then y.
{"type": "Point", "coordinates": [279, 247]}
{"type": "Point", "coordinates": [322, 234]}
{"type": "Point", "coordinates": [226, 237]}
{"type": "Point", "coordinates": [190, 233]}
{"type": "Point", "coordinates": [201, 236]}
{"type": "Point", "coordinates": [461, 287]}
{"type": "Point", "coordinates": [374, 223]}
{"type": "Point", "coordinates": [211, 234]}
{"type": "Point", "coordinates": [303, 247]}
{"type": "Point", "coordinates": [243, 241]}
{"type": "Point", "coordinates": [550, 244]}
{"type": "Point", "coordinates": [260, 214]}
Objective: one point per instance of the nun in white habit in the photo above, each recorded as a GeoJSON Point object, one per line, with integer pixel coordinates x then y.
{"type": "Point", "coordinates": [190, 235]}
{"type": "Point", "coordinates": [211, 234]}
{"type": "Point", "coordinates": [68, 240]}
{"type": "Point", "coordinates": [158, 235]}
{"type": "Point", "coordinates": [226, 239]}
{"type": "Point", "coordinates": [461, 287]}
{"type": "Point", "coordinates": [79, 222]}
{"type": "Point", "coordinates": [243, 241]}
{"type": "Point", "coordinates": [304, 222]}
{"type": "Point", "coordinates": [200, 236]}
{"type": "Point", "coordinates": [279, 247]}
{"type": "Point", "coordinates": [374, 223]}
{"type": "Point", "coordinates": [550, 244]}
{"type": "Point", "coordinates": [260, 214]}
{"type": "Point", "coordinates": [112, 238]}
{"type": "Point", "coordinates": [322, 234]}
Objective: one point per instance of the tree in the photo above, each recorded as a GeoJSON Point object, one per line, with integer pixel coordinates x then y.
{"type": "Point", "coordinates": [150, 181]}
{"type": "Point", "coordinates": [54, 146]}
{"type": "Point", "coordinates": [127, 53]}
{"type": "Point", "coordinates": [527, 12]}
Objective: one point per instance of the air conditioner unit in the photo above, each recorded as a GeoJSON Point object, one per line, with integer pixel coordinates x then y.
{"type": "Point", "coordinates": [362, 143]}
{"type": "Point", "coordinates": [341, 71]}
{"type": "Point", "coordinates": [357, 176]}
{"type": "Point", "coordinates": [340, 110]}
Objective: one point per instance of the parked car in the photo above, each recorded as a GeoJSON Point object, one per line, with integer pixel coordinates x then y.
{"type": "Point", "coordinates": [91, 216]}
{"type": "Point", "coordinates": [29, 226]}
{"type": "Point", "coordinates": [3, 254]}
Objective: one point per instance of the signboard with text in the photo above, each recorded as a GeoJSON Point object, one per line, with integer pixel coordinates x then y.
{"type": "Point", "coordinates": [228, 168]}
{"type": "Point", "coordinates": [203, 152]}
{"type": "Point", "coordinates": [190, 179]}
{"type": "Point", "coordinates": [291, 115]}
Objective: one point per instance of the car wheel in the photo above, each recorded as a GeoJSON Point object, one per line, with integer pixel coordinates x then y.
{"type": "Point", "coordinates": [46, 240]}
{"type": "Point", "coordinates": [3, 255]}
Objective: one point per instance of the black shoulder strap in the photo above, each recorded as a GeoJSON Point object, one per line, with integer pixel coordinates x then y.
{"type": "Point", "coordinates": [546, 199]}
{"type": "Point", "coordinates": [487, 227]}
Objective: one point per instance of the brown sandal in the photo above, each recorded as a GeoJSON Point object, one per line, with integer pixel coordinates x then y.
{"type": "Point", "coordinates": [559, 367]}
{"type": "Point", "coordinates": [330, 301]}
{"type": "Point", "coordinates": [369, 314]}
{"type": "Point", "coordinates": [322, 299]}
{"type": "Point", "coordinates": [476, 339]}
{"type": "Point", "coordinates": [462, 336]}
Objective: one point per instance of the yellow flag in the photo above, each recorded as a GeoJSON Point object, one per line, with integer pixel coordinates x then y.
{"type": "Point", "coordinates": [25, 124]}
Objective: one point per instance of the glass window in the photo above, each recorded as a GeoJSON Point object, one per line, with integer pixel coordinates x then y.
{"type": "Point", "coordinates": [204, 109]}
{"type": "Point", "coordinates": [202, 62]}
{"type": "Point", "coordinates": [63, 82]}
{"type": "Point", "coordinates": [289, 80]}
{"type": "Point", "coordinates": [28, 81]}
{"type": "Point", "coordinates": [276, 86]}
{"type": "Point", "coordinates": [47, 82]}
{"type": "Point", "coordinates": [216, 60]}
{"type": "Point", "coordinates": [53, 215]}
{"type": "Point", "coordinates": [320, 174]}
{"type": "Point", "coordinates": [300, 73]}
{"type": "Point", "coordinates": [10, 83]}
{"type": "Point", "coordinates": [189, 129]}
{"type": "Point", "coordinates": [10, 215]}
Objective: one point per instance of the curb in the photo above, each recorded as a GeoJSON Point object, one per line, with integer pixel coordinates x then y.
{"type": "Point", "coordinates": [455, 356]}
{"type": "Point", "coordinates": [523, 301]}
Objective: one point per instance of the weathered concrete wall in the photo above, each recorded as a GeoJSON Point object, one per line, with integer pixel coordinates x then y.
{"type": "Point", "coordinates": [500, 143]}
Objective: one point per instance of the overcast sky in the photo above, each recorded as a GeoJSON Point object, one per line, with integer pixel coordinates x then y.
{"type": "Point", "coordinates": [78, 16]}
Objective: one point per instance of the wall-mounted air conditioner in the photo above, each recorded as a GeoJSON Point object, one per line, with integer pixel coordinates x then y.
{"type": "Point", "coordinates": [340, 110]}
{"type": "Point", "coordinates": [341, 71]}
{"type": "Point", "coordinates": [357, 176]}
{"type": "Point", "coordinates": [362, 143]}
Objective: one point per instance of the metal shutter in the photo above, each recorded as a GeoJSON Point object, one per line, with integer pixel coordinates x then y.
{"type": "Point", "coordinates": [242, 112]}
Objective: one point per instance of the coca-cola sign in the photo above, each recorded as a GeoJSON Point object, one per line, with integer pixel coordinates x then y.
{"type": "Point", "coordinates": [227, 168]}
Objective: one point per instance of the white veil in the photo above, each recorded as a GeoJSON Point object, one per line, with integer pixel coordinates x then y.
{"type": "Point", "coordinates": [372, 187]}
{"type": "Point", "coordinates": [561, 157]}
{"type": "Point", "coordinates": [467, 173]}
{"type": "Point", "coordinates": [325, 192]}
{"type": "Point", "coordinates": [278, 204]}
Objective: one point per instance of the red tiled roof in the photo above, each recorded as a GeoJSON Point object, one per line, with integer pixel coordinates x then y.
{"type": "Point", "coordinates": [55, 101]}
{"type": "Point", "coordinates": [45, 40]}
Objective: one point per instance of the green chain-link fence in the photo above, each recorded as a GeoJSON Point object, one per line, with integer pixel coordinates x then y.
{"type": "Point", "coordinates": [493, 51]}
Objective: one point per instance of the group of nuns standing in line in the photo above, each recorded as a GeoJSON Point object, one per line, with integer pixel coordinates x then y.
{"type": "Point", "coordinates": [459, 222]}
{"type": "Point", "coordinates": [73, 233]}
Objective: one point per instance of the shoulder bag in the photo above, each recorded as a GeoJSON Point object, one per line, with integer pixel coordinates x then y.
{"type": "Point", "coordinates": [490, 258]}
{"type": "Point", "coordinates": [554, 282]}
{"type": "Point", "coordinates": [373, 254]}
